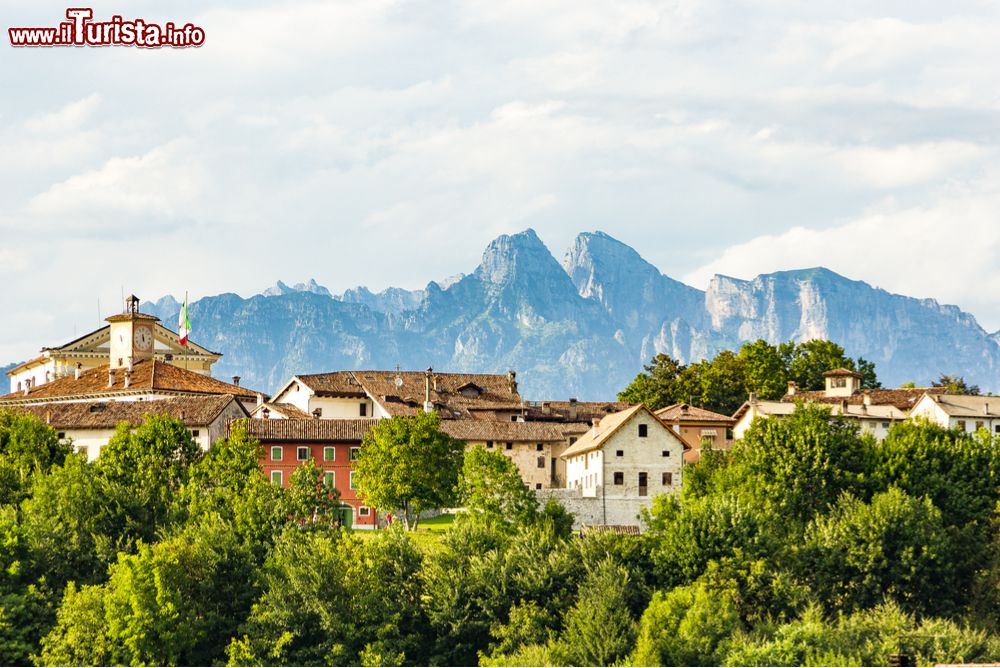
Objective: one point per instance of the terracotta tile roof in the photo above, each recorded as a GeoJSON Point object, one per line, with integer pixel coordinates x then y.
{"type": "Point", "coordinates": [288, 410]}
{"type": "Point", "coordinates": [586, 411]}
{"type": "Point", "coordinates": [312, 429]}
{"type": "Point", "coordinates": [192, 411]}
{"type": "Point", "coordinates": [502, 431]}
{"type": "Point", "coordinates": [685, 413]}
{"type": "Point", "coordinates": [834, 373]}
{"type": "Point", "coordinates": [453, 394]}
{"type": "Point", "coordinates": [147, 376]}
{"type": "Point", "coordinates": [903, 398]}
{"type": "Point", "coordinates": [334, 384]}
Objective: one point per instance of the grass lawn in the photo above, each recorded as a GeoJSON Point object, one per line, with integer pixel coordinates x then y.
{"type": "Point", "coordinates": [428, 535]}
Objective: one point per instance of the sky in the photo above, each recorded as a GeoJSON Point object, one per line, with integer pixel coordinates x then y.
{"type": "Point", "coordinates": [386, 142]}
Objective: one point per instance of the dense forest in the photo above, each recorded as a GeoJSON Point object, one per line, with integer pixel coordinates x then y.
{"type": "Point", "coordinates": [805, 544]}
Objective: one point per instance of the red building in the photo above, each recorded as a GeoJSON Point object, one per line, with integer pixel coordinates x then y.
{"type": "Point", "coordinates": [331, 444]}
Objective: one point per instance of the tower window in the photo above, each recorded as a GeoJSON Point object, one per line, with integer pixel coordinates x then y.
{"type": "Point", "coordinates": [643, 430]}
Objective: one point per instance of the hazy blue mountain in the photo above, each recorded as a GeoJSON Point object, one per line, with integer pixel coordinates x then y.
{"type": "Point", "coordinates": [583, 328]}
{"type": "Point", "coordinates": [280, 288]}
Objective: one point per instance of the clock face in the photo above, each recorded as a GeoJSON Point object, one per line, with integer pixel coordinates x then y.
{"type": "Point", "coordinates": [143, 338]}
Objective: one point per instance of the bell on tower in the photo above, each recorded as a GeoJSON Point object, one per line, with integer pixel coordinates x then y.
{"type": "Point", "coordinates": [131, 304]}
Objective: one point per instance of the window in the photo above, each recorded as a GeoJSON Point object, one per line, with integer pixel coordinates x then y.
{"type": "Point", "coordinates": [539, 447]}
{"type": "Point", "coordinates": [510, 446]}
{"type": "Point", "coordinates": [997, 429]}
{"type": "Point", "coordinates": [330, 480]}
{"type": "Point", "coordinates": [980, 424]}
{"type": "Point", "coordinates": [354, 454]}
{"type": "Point", "coordinates": [276, 453]}
{"type": "Point", "coordinates": [81, 450]}
{"type": "Point", "coordinates": [353, 485]}
{"type": "Point", "coordinates": [643, 430]}
{"type": "Point", "coordinates": [619, 478]}
{"type": "Point", "coordinates": [329, 454]}
{"type": "Point", "coordinates": [541, 462]}
{"type": "Point", "coordinates": [885, 425]}
{"type": "Point", "coordinates": [276, 477]}
{"type": "Point", "coordinates": [302, 454]}
{"type": "Point", "coordinates": [961, 425]}
{"type": "Point", "coordinates": [838, 382]}
{"type": "Point", "coordinates": [196, 433]}
{"type": "Point", "coordinates": [363, 409]}
{"type": "Point", "coordinates": [709, 433]}
{"type": "Point", "coordinates": [665, 453]}
{"type": "Point", "coordinates": [643, 483]}
{"type": "Point", "coordinates": [538, 485]}
{"type": "Point", "coordinates": [668, 478]}
{"type": "Point", "coordinates": [619, 453]}
{"type": "Point", "coordinates": [61, 435]}
{"type": "Point", "coordinates": [364, 511]}
{"type": "Point", "coordinates": [489, 444]}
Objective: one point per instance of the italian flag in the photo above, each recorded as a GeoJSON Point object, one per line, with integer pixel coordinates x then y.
{"type": "Point", "coordinates": [183, 324]}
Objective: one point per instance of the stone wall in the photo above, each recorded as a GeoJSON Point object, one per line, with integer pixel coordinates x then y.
{"type": "Point", "coordinates": [596, 509]}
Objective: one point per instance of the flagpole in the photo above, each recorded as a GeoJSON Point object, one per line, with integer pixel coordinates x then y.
{"type": "Point", "coordinates": [185, 317]}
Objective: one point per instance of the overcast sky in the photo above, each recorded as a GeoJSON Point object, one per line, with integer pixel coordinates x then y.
{"type": "Point", "coordinates": [386, 142]}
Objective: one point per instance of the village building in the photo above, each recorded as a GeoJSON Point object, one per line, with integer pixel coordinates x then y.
{"type": "Point", "coordinates": [966, 413]}
{"type": "Point", "coordinates": [331, 444]}
{"type": "Point", "coordinates": [135, 378]}
{"type": "Point", "coordinates": [874, 420]}
{"type": "Point", "coordinates": [535, 447]}
{"type": "Point", "coordinates": [616, 467]}
{"type": "Point", "coordinates": [698, 428]}
{"type": "Point", "coordinates": [89, 425]}
{"type": "Point", "coordinates": [112, 341]}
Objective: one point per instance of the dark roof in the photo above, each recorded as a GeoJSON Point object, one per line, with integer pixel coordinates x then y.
{"type": "Point", "coordinates": [684, 413]}
{"type": "Point", "coordinates": [903, 398]}
{"type": "Point", "coordinates": [407, 397]}
{"type": "Point", "coordinates": [192, 411]}
{"type": "Point", "coordinates": [500, 430]}
{"type": "Point", "coordinates": [312, 429]}
{"type": "Point", "coordinates": [146, 376]}
{"type": "Point", "coordinates": [832, 373]}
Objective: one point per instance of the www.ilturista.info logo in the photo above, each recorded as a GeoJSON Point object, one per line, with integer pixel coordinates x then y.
{"type": "Point", "coordinates": [81, 30]}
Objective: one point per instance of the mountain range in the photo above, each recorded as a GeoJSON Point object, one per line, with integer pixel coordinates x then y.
{"type": "Point", "coordinates": [581, 328]}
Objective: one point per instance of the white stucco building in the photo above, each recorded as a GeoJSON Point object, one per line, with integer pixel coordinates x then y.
{"type": "Point", "coordinates": [959, 411]}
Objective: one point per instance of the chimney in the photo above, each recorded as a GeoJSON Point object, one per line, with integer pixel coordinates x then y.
{"type": "Point", "coordinates": [792, 388]}
{"type": "Point", "coordinates": [864, 408]}
{"type": "Point", "coordinates": [512, 381]}
{"type": "Point", "coordinates": [76, 372]}
{"type": "Point", "coordinates": [594, 431]}
{"type": "Point", "coordinates": [753, 399]}
{"type": "Point", "coordinates": [111, 377]}
{"type": "Point", "coordinates": [428, 404]}
{"type": "Point", "coordinates": [128, 375]}
{"type": "Point", "coordinates": [129, 367]}
{"type": "Point", "coordinates": [685, 408]}
{"type": "Point", "coordinates": [434, 382]}
{"type": "Point", "coordinates": [867, 398]}
{"type": "Point", "coordinates": [546, 408]}
{"type": "Point", "coordinates": [48, 417]}
{"type": "Point", "coordinates": [236, 381]}
{"type": "Point", "coordinates": [260, 399]}
{"type": "Point", "coordinates": [986, 408]}
{"type": "Point", "coordinates": [572, 409]}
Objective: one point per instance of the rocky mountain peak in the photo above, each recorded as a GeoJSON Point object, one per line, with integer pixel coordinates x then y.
{"type": "Point", "coordinates": [281, 288]}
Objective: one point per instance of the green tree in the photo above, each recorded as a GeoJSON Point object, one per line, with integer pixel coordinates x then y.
{"type": "Point", "coordinates": [892, 549]}
{"type": "Point", "coordinates": [658, 386]}
{"type": "Point", "coordinates": [492, 490]}
{"type": "Point", "coordinates": [173, 603]}
{"type": "Point", "coordinates": [688, 626]}
{"type": "Point", "coordinates": [27, 447]}
{"type": "Point", "coordinates": [800, 464]}
{"type": "Point", "coordinates": [63, 525]}
{"type": "Point", "coordinates": [720, 384]}
{"type": "Point", "coordinates": [953, 384]}
{"type": "Point", "coordinates": [141, 471]}
{"type": "Point", "coordinates": [764, 370]}
{"type": "Point", "coordinates": [409, 465]}
{"type": "Point", "coordinates": [332, 599]}
{"type": "Point", "coordinates": [597, 631]}
{"type": "Point", "coordinates": [24, 608]}
{"type": "Point", "coordinates": [808, 361]}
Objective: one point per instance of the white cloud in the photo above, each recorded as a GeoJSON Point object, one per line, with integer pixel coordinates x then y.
{"type": "Point", "coordinates": [66, 119]}
{"type": "Point", "coordinates": [162, 183]}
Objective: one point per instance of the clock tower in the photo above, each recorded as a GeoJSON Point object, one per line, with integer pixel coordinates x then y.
{"type": "Point", "coordinates": [131, 335]}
